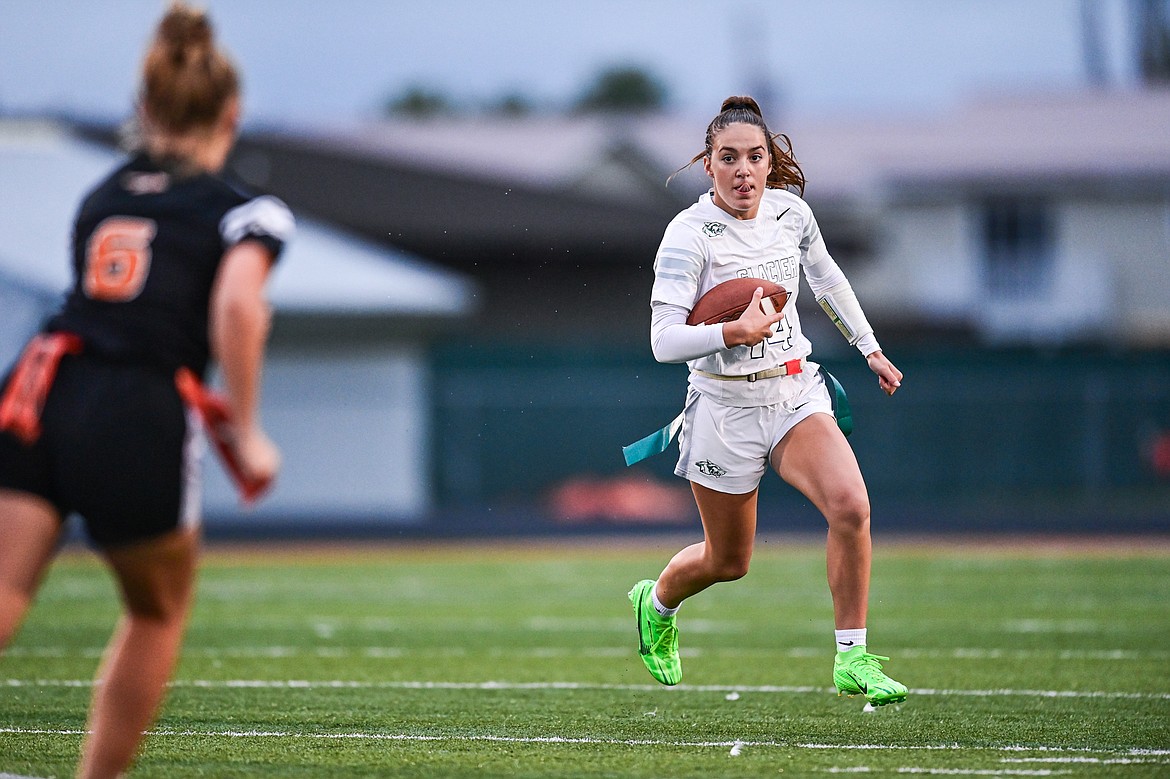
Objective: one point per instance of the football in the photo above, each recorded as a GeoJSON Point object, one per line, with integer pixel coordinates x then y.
{"type": "Point", "coordinates": [725, 302]}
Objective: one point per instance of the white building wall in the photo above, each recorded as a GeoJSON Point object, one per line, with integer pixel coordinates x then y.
{"type": "Point", "coordinates": [1110, 279]}
{"type": "Point", "coordinates": [354, 432]}
{"type": "Point", "coordinates": [924, 267]}
{"type": "Point", "coordinates": [1130, 239]}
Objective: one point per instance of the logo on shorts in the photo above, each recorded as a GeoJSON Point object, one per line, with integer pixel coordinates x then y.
{"type": "Point", "coordinates": [709, 468]}
{"type": "Point", "coordinates": [713, 229]}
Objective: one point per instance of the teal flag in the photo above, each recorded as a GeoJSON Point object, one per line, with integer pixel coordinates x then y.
{"type": "Point", "coordinates": [841, 408]}
{"type": "Point", "coordinates": [655, 443]}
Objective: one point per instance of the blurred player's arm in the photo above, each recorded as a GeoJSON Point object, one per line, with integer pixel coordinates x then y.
{"type": "Point", "coordinates": [240, 321]}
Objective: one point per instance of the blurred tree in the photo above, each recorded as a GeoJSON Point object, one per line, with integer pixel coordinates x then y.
{"type": "Point", "coordinates": [1153, 23]}
{"type": "Point", "coordinates": [624, 89]}
{"type": "Point", "coordinates": [512, 104]}
{"type": "Point", "coordinates": [418, 103]}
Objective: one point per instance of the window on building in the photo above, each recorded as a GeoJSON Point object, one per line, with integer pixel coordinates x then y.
{"type": "Point", "coordinates": [1018, 247]}
{"type": "Point", "coordinates": [1153, 31]}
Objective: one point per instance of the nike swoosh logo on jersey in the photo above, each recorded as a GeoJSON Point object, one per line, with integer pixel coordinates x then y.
{"type": "Point", "coordinates": [782, 213]}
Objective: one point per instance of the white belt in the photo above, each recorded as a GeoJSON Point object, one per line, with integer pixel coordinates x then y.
{"type": "Point", "coordinates": [790, 368]}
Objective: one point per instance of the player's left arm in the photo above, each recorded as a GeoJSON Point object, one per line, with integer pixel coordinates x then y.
{"type": "Point", "coordinates": [240, 321]}
{"type": "Point", "coordinates": [835, 295]}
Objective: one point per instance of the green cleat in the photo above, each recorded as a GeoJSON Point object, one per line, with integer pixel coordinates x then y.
{"type": "Point", "coordinates": [657, 636]}
{"type": "Point", "coordinates": [857, 672]}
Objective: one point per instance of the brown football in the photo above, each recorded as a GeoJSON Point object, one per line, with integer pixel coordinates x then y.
{"type": "Point", "coordinates": [725, 302]}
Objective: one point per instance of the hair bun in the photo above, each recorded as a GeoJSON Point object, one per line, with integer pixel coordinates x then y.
{"type": "Point", "coordinates": [741, 103]}
{"type": "Point", "coordinates": [186, 79]}
{"type": "Point", "coordinates": [184, 28]}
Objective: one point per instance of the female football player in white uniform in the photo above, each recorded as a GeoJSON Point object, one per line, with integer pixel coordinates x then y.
{"type": "Point", "coordinates": [754, 399]}
{"type": "Point", "coordinates": [170, 263]}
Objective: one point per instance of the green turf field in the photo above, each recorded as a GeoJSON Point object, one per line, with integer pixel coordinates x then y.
{"type": "Point", "coordinates": [514, 661]}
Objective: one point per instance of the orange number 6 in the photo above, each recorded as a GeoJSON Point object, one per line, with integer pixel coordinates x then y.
{"type": "Point", "coordinates": [117, 258]}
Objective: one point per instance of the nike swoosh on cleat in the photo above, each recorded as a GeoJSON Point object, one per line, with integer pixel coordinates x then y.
{"type": "Point", "coordinates": [642, 648]}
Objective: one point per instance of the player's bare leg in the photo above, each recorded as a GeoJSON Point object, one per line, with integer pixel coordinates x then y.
{"type": "Point", "coordinates": [815, 458]}
{"type": "Point", "coordinates": [729, 526]}
{"type": "Point", "coordinates": [156, 578]}
{"type": "Point", "coordinates": [729, 531]}
{"type": "Point", "coordinates": [29, 532]}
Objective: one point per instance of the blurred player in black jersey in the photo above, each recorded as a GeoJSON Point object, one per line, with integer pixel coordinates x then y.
{"type": "Point", "coordinates": [170, 264]}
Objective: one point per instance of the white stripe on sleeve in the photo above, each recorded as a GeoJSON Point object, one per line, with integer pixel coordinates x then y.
{"type": "Point", "coordinates": [265, 215]}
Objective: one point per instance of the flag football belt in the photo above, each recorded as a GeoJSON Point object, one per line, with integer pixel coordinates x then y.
{"type": "Point", "coordinates": [658, 441]}
{"type": "Point", "coordinates": [216, 416]}
{"type": "Point", "coordinates": [32, 378]}
{"type": "Point", "coordinates": [790, 368]}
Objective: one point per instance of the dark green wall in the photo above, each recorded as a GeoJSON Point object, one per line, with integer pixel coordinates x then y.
{"type": "Point", "coordinates": [970, 430]}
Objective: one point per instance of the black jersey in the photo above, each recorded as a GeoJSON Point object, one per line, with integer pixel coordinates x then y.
{"type": "Point", "coordinates": [147, 244]}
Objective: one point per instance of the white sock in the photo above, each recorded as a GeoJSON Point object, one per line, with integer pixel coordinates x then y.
{"type": "Point", "coordinates": [658, 604]}
{"type": "Point", "coordinates": [848, 639]}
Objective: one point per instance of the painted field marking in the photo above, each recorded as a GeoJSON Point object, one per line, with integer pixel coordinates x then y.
{"type": "Point", "coordinates": [949, 771]}
{"type": "Point", "coordinates": [308, 684]}
{"type": "Point", "coordinates": [978, 771]}
{"type": "Point", "coordinates": [1082, 759]}
{"type": "Point", "coordinates": [586, 740]}
{"type": "Point", "coordinates": [383, 651]}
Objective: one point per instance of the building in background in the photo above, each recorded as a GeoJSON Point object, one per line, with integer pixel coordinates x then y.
{"type": "Point", "coordinates": [1016, 221]}
{"type": "Point", "coordinates": [347, 390]}
{"type": "Point", "coordinates": [1042, 221]}
{"type": "Point", "coordinates": [1013, 257]}
{"type": "Point", "coordinates": [972, 239]}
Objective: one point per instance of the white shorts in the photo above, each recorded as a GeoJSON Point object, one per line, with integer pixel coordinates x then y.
{"type": "Point", "coordinates": [727, 448]}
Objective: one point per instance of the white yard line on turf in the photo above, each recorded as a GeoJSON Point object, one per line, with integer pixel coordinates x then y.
{"type": "Point", "coordinates": [959, 653]}
{"type": "Point", "coordinates": [1014, 748]}
{"type": "Point", "coordinates": [299, 684]}
{"type": "Point", "coordinates": [977, 772]}
{"type": "Point", "coordinates": [1082, 759]}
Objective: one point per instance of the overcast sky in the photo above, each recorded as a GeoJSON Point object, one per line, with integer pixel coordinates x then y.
{"type": "Point", "coordinates": [317, 62]}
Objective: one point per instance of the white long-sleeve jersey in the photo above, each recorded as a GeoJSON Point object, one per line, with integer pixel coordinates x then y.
{"type": "Point", "coordinates": [704, 246]}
